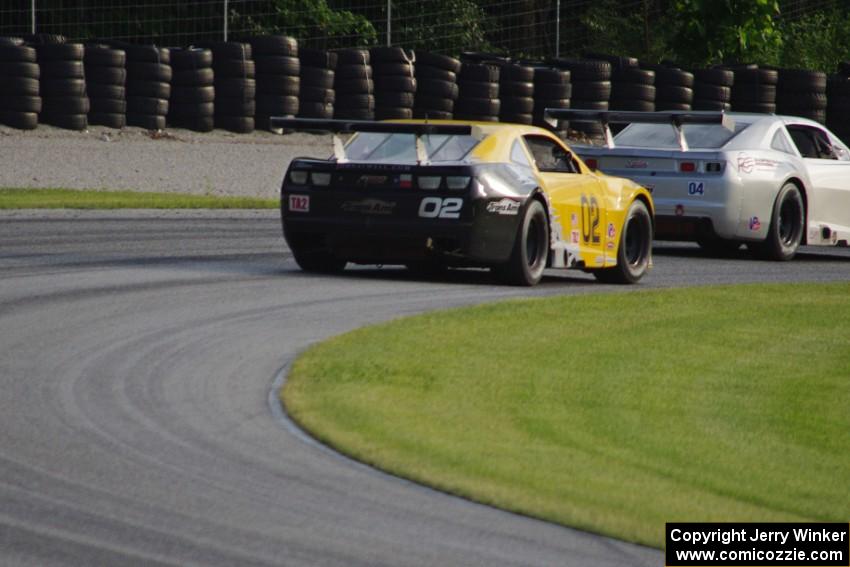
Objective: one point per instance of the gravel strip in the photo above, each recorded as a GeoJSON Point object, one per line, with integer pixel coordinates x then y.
{"type": "Point", "coordinates": [174, 161]}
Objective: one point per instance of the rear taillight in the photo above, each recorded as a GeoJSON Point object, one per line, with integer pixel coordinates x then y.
{"type": "Point", "coordinates": [429, 183]}
{"type": "Point", "coordinates": [320, 179]}
{"type": "Point", "coordinates": [687, 166]}
{"type": "Point", "coordinates": [591, 163]}
{"type": "Point", "coordinates": [457, 182]}
{"type": "Point", "coordinates": [298, 177]}
{"type": "Point", "coordinates": [714, 167]}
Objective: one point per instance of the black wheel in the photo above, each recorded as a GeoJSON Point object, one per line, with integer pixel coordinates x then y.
{"type": "Point", "coordinates": [786, 226]}
{"type": "Point", "coordinates": [531, 248]}
{"type": "Point", "coordinates": [635, 250]}
{"type": "Point", "coordinates": [319, 261]}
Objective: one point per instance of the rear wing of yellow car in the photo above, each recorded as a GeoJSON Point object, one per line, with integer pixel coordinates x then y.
{"type": "Point", "coordinates": [676, 118]}
{"type": "Point", "coordinates": [336, 127]}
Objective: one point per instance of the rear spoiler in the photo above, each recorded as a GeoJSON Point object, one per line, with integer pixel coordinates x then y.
{"type": "Point", "coordinates": [676, 118]}
{"type": "Point", "coordinates": [349, 126]}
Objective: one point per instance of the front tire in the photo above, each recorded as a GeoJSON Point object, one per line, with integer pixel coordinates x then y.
{"type": "Point", "coordinates": [786, 226]}
{"type": "Point", "coordinates": [635, 250]}
{"type": "Point", "coordinates": [531, 248]}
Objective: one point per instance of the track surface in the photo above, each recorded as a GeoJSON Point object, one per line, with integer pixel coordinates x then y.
{"type": "Point", "coordinates": [137, 353]}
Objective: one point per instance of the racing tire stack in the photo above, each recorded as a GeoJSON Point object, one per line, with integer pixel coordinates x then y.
{"type": "Point", "coordinates": [478, 92]}
{"type": "Point", "coordinates": [552, 89]}
{"type": "Point", "coordinates": [436, 86]}
{"type": "Point", "coordinates": [20, 104]}
{"type": "Point", "coordinates": [632, 88]}
{"type": "Point", "coordinates": [234, 85]}
{"type": "Point", "coordinates": [192, 103]}
{"type": "Point", "coordinates": [800, 92]}
{"type": "Point", "coordinates": [591, 89]}
{"type": "Point", "coordinates": [63, 85]}
{"type": "Point", "coordinates": [317, 93]}
{"type": "Point", "coordinates": [353, 85]}
{"type": "Point", "coordinates": [754, 89]}
{"type": "Point", "coordinates": [395, 82]}
{"type": "Point", "coordinates": [838, 105]}
{"type": "Point", "coordinates": [713, 89]}
{"type": "Point", "coordinates": [516, 93]}
{"type": "Point", "coordinates": [278, 78]}
{"type": "Point", "coordinates": [674, 88]}
{"type": "Point", "coordinates": [149, 76]}
{"type": "Point", "coordinates": [106, 75]}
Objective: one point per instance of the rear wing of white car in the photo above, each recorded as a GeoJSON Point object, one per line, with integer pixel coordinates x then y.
{"type": "Point", "coordinates": [336, 127]}
{"type": "Point", "coordinates": [676, 118]}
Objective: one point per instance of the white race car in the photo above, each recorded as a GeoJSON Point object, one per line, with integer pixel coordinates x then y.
{"type": "Point", "coordinates": [723, 179]}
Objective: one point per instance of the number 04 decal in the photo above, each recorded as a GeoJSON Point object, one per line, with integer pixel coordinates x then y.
{"type": "Point", "coordinates": [435, 207]}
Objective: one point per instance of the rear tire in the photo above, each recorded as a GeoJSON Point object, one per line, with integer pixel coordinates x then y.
{"type": "Point", "coordinates": [531, 248]}
{"type": "Point", "coordinates": [786, 226]}
{"type": "Point", "coordinates": [635, 250]}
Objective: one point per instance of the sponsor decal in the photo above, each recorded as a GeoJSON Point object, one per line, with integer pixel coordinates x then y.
{"type": "Point", "coordinates": [649, 187]}
{"type": "Point", "coordinates": [573, 219]}
{"type": "Point", "coordinates": [574, 237]}
{"type": "Point", "coordinates": [754, 223]}
{"type": "Point", "coordinates": [503, 207]}
{"type": "Point", "coordinates": [369, 207]}
{"type": "Point", "coordinates": [299, 203]}
{"type": "Point", "coordinates": [612, 230]}
{"type": "Point", "coordinates": [610, 245]}
{"type": "Point", "coordinates": [636, 164]}
{"type": "Point", "coordinates": [599, 260]}
{"type": "Point", "coordinates": [746, 163]}
{"type": "Point", "coordinates": [366, 180]}
{"type": "Point", "coordinates": [680, 210]}
{"type": "Point", "coordinates": [766, 164]}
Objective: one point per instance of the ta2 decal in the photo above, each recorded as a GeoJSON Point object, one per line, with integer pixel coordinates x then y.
{"type": "Point", "coordinates": [299, 203]}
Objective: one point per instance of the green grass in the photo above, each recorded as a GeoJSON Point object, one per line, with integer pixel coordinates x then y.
{"type": "Point", "coordinates": [612, 413]}
{"type": "Point", "coordinates": [87, 199]}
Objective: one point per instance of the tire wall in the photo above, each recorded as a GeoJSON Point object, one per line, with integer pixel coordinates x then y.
{"type": "Point", "coordinates": [240, 85]}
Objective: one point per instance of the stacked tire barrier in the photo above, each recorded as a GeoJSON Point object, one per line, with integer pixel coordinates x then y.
{"type": "Point", "coordinates": [800, 92]}
{"type": "Point", "coordinates": [591, 89]}
{"type": "Point", "coordinates": [20, 104]}
{"type": "Point", "coordinates": [395, 82]}
{"type": "Point", "coordinates": [278, 77]}
{"type": "Point", "coordinates": [713, 89]}
{"type": "Point", "coordinates": [674, 88]}
{"type": "Point", "coordinates": [235, 86]}
{"type": "Point", "coordinates": [552, 89]}
{"type": "Point", "coordinates": [353, 85]}
{"type": "Point", "coordinates": [63, 85]}
{"type": "Point", "coordinates": [516, 93]}
{"type": "Point", "coordinates": [106, 76]}
{"type": "Point", "coordinates": [317, 83]}
{"type": "Point", "coordinates": [192, 102]}
{"type": "Point", "coordinates": [838, 106]}
{"type": "Point", "coordinates": [436, 86]}
{"type": "Point", "coordinates": [632, 88]}
{"type": "Point", "coordinates": [754, 89]}
{"type": "Point", "coordinates": [478, 92]}
{"type": "Point", "coordinates": [149, 76]}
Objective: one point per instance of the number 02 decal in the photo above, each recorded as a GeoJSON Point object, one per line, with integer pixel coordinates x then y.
{"type": "Point", "coordinates": [435, 207]}
{"type": "Point", "coordinates": [589, 219]}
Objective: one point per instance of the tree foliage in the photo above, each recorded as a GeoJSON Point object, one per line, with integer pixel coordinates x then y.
{"type": "Point", "coordinates": [712, 31]}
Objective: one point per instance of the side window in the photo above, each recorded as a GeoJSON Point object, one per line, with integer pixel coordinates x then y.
{"type": "Point", "coordinates": [780, 143]}
{"type": "Point", "coordinates": [804, 142]}
{"type": "Point", "coordinates": [824, 146]}
{"type": "Point", "coordinates": [549, 155]}
{"type": "Point", "coordinates": [518, 155]}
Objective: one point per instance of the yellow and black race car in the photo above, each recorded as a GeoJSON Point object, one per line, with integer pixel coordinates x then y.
{"type": "Point", "coordinates": [432, 194]}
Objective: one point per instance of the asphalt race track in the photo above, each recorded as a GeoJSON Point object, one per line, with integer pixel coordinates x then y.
{"type": "Point", "coordinates": [137, 356]}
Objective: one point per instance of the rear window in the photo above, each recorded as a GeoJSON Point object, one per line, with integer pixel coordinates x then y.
{"type": "Point", "coordinates": [705, 136]}
{"type": "Point", "coordinates": [383, 147]}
